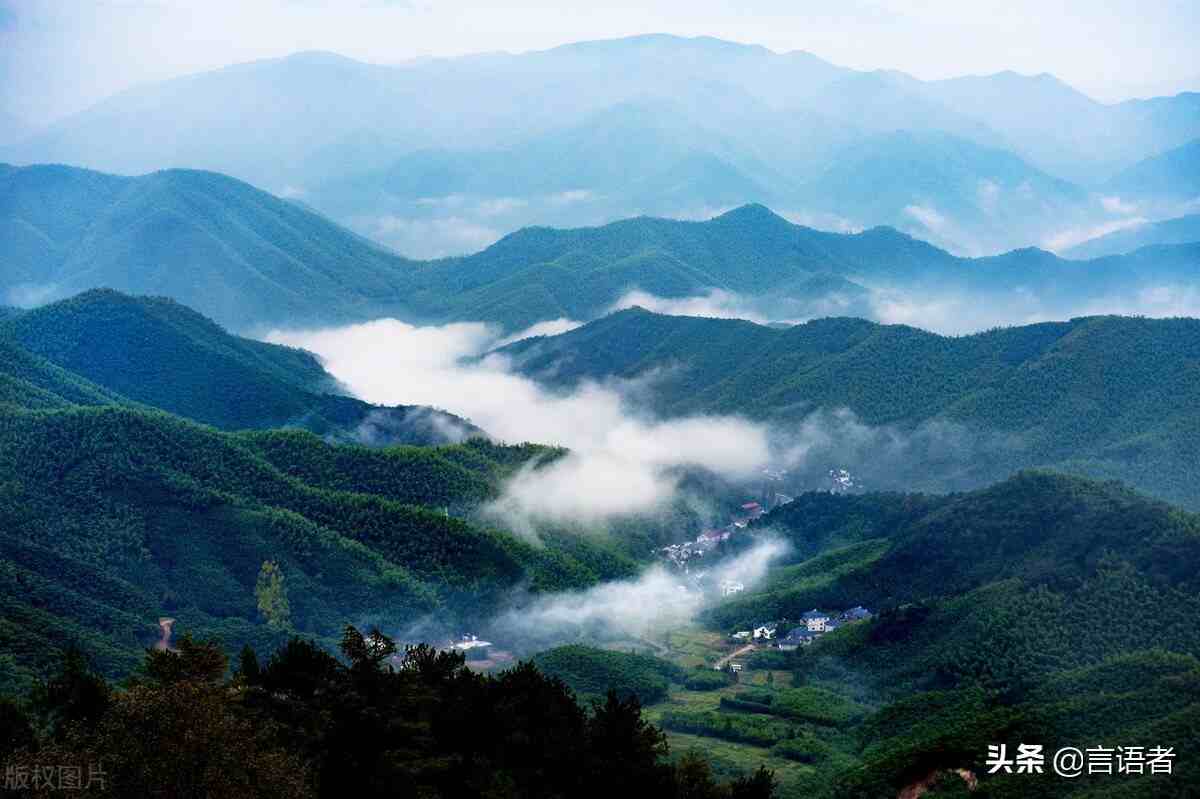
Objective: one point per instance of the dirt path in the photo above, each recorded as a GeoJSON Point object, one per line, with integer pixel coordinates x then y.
{"type": "Point", "coordinates": [164, 641]}
{"type": "Point", "coordinates": [720, 664]}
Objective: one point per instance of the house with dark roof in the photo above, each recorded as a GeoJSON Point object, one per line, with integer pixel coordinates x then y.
{"type": "Point", "coordinates": [815, 620]}
{"type": "Point", "coordinates": [856, 613]}
{"type": "Point", "coordinates": [800, 636]}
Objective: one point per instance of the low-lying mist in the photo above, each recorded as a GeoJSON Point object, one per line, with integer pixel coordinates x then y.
{"type": "Point", "coordinates": [621, 461]}
{"type": "Point", "coordinates": [949, 311]}
{"type": "Point", "coordinates": [658, 600]}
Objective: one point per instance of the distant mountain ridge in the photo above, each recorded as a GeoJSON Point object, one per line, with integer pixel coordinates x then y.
{"type": "Point", "coordinates": [746, 125]}
{"type": "Point", "coordinates": [248, 259]}
{"type": "Point", "coordinates": [1172, 175]}
{"type": "Point", "coordinates": [1182, 230]}
{"type": "Point", "coordinates": [211, 242]}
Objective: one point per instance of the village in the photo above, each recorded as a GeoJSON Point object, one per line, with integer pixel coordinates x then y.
{"type": "Point", "coordinates": [813, 624]}
{"type": "Point", "coordinates": [693, 559]}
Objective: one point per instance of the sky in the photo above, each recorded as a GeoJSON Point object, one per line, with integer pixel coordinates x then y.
{"type": "Point", "coordinates": [59, 56]}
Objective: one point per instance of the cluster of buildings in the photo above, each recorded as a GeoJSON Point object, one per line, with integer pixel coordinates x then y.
{"type": "Point", "coordinates": [814, 624]}
{"type": "Point", "coordinates": [683, 555]}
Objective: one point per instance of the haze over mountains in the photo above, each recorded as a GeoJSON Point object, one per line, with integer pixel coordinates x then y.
{"type": "Point", "coordinates": [250, 261]}
{"type": "Point", "coordinates": [444, 156]}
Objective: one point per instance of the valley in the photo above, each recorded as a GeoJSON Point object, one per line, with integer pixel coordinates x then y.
{"type": "Point", "coordinates": [657, 415]}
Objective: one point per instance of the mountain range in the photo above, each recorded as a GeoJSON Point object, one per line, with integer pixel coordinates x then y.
{"type": "Point", "coordinates": [1100, 396]}
{"type": "Point", "coordinates": [250, 261]}
{"type": "Point", "coordinates": [740, 122]}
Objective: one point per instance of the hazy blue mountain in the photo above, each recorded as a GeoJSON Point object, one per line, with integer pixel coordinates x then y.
{"type": "Point", "coordinates": [630, 159]}
{"type": "Point", "coordinates": [496, 142]}
{"type": "Point", "coordinates": [159, 353]}
{"type": "Point", "coordinates": [285, 121]}
{"type": "Point", "coordinates": [1173, 176]}
{"type": "Point", "coordinates": [1181, 230]}
{"type": "Point", "coordinates": [886, 100]}
{"type": "Point", "coordinates": [1100, 396]}
{"type": "Point", "coordinates": [221, 246]}
{"type": "Point", "coordinates": [945, 189]}
{"type": "Point", "coordinates": [247, 259]}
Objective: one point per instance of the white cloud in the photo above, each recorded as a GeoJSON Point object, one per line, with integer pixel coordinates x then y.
{"type": "Point", "coordinates": [497, 206]}
{"type": "Point", "coordinates": [656, 601]}
{"type": "Point", "coordinates": [571, 196]}
{"type": "Point", "coordinates": [1115, 205]}
{"type": "Point", "coordinates": [988, 193]}
{"type": "Point", "coordinates": [927, 216]}
{"type": "Point", "coordinates": [551, 327]}
{"type": "Point", "coordinates": [621, 461]}
{"type": "Point", "coordinates": [1065, 239]}
{"type": "Point", "coordinates": [716, 304]}
{"type": "Point", "coordinates": [31, 295]}
{"type": "Point", "coordinates": [429, 238]}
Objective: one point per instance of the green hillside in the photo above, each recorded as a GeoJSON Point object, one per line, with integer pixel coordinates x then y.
{"type": "Point", "coordinates": [113, 517]}
{"type": "Point", "coordinates": [592, 672]}
{"type": "Point", "coordinates": [160, 353]}
{"type": "Point", "coordinates": [1043, 609]}
{"type": "Point", "coordinates": [1102, 396]}
{"type": "Point", "coordinates": [235, 253]}
{"type": "Point", "coordinates": [28, 381]}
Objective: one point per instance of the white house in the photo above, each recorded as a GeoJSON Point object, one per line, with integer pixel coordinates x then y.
{"type": "Point", "coordinates": [765, 633]}
{"type": "Point", "coordinates": [815, 620]}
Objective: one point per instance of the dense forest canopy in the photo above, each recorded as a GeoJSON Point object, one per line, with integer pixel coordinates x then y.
{"type": "Point", "coordinates": [1106, 396]}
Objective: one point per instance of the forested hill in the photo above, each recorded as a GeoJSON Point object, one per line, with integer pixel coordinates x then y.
{"type": "Point", "coordinates": [163, 354]}
{"type": "Point", "coordinates": [246, 258]}
{"type": "Point", "coordinates": [112, 517]}
{"type": "Point", "coordinates": [1043, 608]}
{"type": "Point", "coordinates": [28, 381]}
{"type": "Point", "coordinates": [1106, 396]}
{"type": "Point", "coordinates": [221, 246]}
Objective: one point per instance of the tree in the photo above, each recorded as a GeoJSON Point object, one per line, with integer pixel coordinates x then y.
{"type": "Point", "coordinates": [190, 661]}
{"type": "Point", "coordinates": [75, 695]}
{"type": "Point", "coordinates": [759, 785]}
{"type": "Point", "coordinates": [249, 669]}
{"type": "Point", "coordinates": [16, 732]}
{"type": "Point", "coordinates": [272, 596]}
